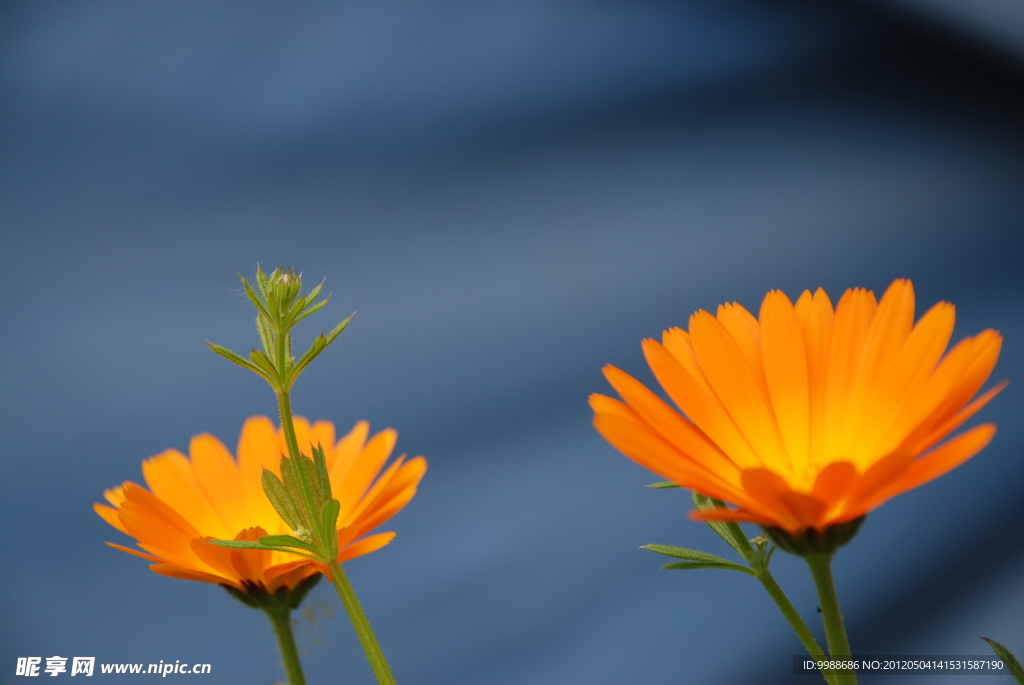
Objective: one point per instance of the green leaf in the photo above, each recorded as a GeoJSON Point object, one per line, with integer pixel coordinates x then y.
{"type": "Point", "coordinates": [288, 541]}
{"type": "Point", "coordinates": [729, 566]}
{"type": "Point", "coordinates": [330, 521]}
{"type": "Point", "coordinates": [314, 293]}
{"type": "Point", "coordinates": [246, 544]}
{"type": "Point", "coordinates": [323, 481]}
{"type": "Point", "coordinates": [237, 359]}
{"type": "Point", "coordinates": [688, 554]}
{"type": "Point", "coordinates": [311, 477]}
{"type": "Point", "coordinates": [300, 315]}
{"type": "Point", "coordinates": [663, 485]}
{"type": "Point", "coordinates": [282, 500]}
{"type": "Point", "coordinates": [1009, 660]}
{"type": "Point", "coordinates": [261, 281]}
{"type": "Point", "coordinates": [262, 361]}
{"type": "Point", "coordinates": [291, 483]}
{"type": "Point", "coordinates": [695, 559]}
{"type": "Point", "coordinates": [727, 530]}
{"type": "Point", "coordinates": [339, 328]}
{"type": "Point", "coordinates": [331, 511]}
{"type": "Point", "coordinates": [266, 331]}
{"type": "Point", "coordinates": [319, 343]}
{"type": "Point", "coordinates": [253, 297]}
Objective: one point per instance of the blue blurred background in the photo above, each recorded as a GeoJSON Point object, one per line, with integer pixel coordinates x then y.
{"type": "Point", "coordinates": [511, 194]}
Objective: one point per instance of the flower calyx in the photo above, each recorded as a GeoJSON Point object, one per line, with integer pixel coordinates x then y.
{"type": "Point", "coordinates": [813, 541]}
{"type": "Point", "coordinates": [286, 598]}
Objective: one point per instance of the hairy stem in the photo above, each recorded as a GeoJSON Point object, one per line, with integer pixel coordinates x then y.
{"type": "Point", "coordinates": [795, 622]}
{"type": "Point", "coordinates": [831, 615]}
{"type": "Point", "coordinates": [364, 632]}
{"type": "Point", "coordinates": [280, 618]}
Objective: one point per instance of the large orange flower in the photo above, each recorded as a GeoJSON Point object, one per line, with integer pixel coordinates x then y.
{"type": "Point", "coordinates": [805, 417]}
{"type": "Point", "coordinates": [210, 495]}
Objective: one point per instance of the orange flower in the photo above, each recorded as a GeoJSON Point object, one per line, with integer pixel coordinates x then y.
{"type": "Point", "coordinates": [212, 496]}
{"type": "Point", "coordinates": [805, 417]}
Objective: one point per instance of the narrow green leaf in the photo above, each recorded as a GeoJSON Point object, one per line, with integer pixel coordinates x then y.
{"type": "Point", "coordinates": [312, 294]}
{"type": "Point", "coordinates": [688, 554]}
{"type": "Point", "coordinates": [330, 520]}
{"type": "Point", "coordinates": [323, 480]}
{"type": "Point", "coordinates": [1009, 660]}
{"type": "Point", "coordinates": [727, 530]}
{"type": "Point", "coordinates": [266, 331]}
{"type": "Point", "coordinates": [331, 511]}
{"type": "Point", "coordinates": [236, 358]}
{"type": "Point", "coordinates": [282, 500]}
{"type": "Point", "coordinates": [262, 361]}
{"type": "Point", "coordinates": [291, 483]}
{"type": "Point", "coordinates": [729, 566]}
{"type": "Point", "coordinates": [288, 541]}
{"type": "Point", "coordinates": [254, 297]}
{"type": "Point", "coordinates": [300, 315]}
{"type": "Point", "coordinates": [336, 331]}
{"type": "Point", "coordinates": [663, 485]}
{"type": "Point", "coordinates": [246, 544]}
{"type": "Point", "coordinates": [311, 477]}
{"type": "Point", "coordinates": [261, 281]}
{"type": "Point", "coordinates": [319, 343]}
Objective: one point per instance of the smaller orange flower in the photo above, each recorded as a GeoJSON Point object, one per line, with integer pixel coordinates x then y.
{"type": "Point", "coordinates": [211, 495]}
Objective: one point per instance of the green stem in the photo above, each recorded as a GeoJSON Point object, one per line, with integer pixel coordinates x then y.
{"type": "Point", "coordinates": [280, 618]}
{"type": "Point", "coordinates": [364, 632]}
{"type": "Point", "coordinates": [831, 615]}
{"type": "Point", "coordinates": [284, 407]}
{"type": "Point", "coordinates": [795, 621]}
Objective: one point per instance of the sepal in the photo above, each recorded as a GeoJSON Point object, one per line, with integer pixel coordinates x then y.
{"type": "Point", "coordinates": [814, 541]}
{"type": "Point", "coordinates": [258, 597]}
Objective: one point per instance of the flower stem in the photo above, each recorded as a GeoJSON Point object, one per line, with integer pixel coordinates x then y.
{"type": "Point", "coordinates": [280, 618]}
{"type": "Point", "coordinates": [284, 407]}
{"type": "Point", "coordinates": [795, 621]}
{"type": "Point", "coordinates": [364, 632]}
{"type": "Point", "coordinates": [831, 615]}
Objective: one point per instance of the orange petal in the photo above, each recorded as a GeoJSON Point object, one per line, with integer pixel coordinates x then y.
{"type": "Point", "coordinates": [672, 427]}
{"type": "Point", "coordinates": [764, 488]}
{"type": "Point", "coordinates": [852, 321]}
{"type": "Point", "coordinates": [903, 375]}
{"type": "Point", "coordinates": [785, 367]}
{"type": "Point", "coordinates": [392, 498]}
{"type": "Point", "coordinates": [217, 474]}
{"type": "Point", "coordinates": [365, 546]}
{"type": "Point", "coordinates": [807, 509]}
{"type": "Point", "coordinates": [191, 574]}
{"type": "Point", "coordinates": [746, 331]}
{"type": "Point", "coordinates": [365, 469]}
{"type": "Point", "coordinates": [816, 318]}
{"type": "Point", "coordinates": [635, 440]}
{"type": "Point", "coordinates": [942, 459]}
{"type": "Point", "coordinates": [834, 482]}
{"type": "Point", "coordinates": [258, 449]}
{"type": "Point", "coordinates": [135, 552]}
{"type": "Point", "coordinates": [726, 514]}
{"type": "Point", "coordinates": [702, 406]}
{"type": "Point", "coordinates": [170, 477]}
{"type": "Point", "coordinates": [110, 516]}
{"type": "Point", "coordinates": [737, 388]}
